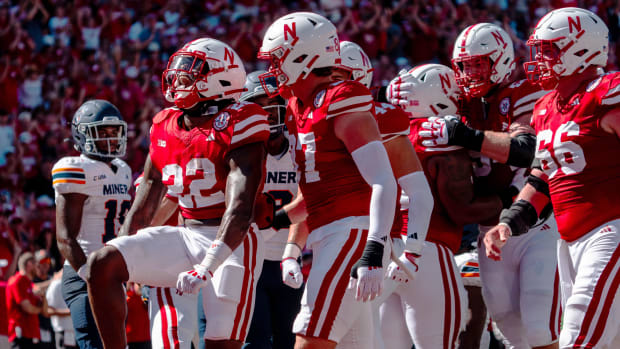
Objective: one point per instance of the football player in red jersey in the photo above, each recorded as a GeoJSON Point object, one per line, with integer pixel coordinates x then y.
{"type": "Point", "coordinates": [521, 297]}
{"type": "Point", "coordinates": [431, 90]}
{"type": "Point", "coordinates": [209, 151]}
{"type": "Point", "coordinates": [346, 179]}
{"type": "Point", "coordinates": [577, 126]}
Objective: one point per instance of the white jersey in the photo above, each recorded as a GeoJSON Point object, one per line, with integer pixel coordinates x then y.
{"type": "Point", "coordinates": [108, 196]}
{"type": "Point", "coordinates": [281, 183]}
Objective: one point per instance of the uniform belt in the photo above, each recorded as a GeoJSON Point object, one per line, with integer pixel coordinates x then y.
{"type": "Point", "coordinates": [211, 222]}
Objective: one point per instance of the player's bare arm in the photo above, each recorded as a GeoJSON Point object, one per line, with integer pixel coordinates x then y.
{"type": "Point", "coordinates": [242, 185]}
{"type": "Point", "coordinates": [68, 223]}
{"type": "Point", "coordinates": [402, 156]}
{"type": "Point", "coordinates": [524, 212]}
{"type": "Point", "coordinates": [518, 143]}
{"type": "Point", "coordinates": [291, 270]}
{"type": "Point", "coordinates": [148, 197]}
{"type": "Point", "coordinates": [610, 122]}
{"type": "Point", "coordinates": [453, 175]}
{"type": "Point", "coordinates": [292, 213]}
{"type": "Point", "coordinates": [164, 212]}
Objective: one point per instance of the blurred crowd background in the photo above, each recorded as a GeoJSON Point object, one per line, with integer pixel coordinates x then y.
{"type": "Point", "coordinates": [56, 54]}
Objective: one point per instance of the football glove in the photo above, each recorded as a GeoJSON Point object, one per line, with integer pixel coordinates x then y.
{"type": "Point", "coordinates": [408, 260]}
{"type": "Point", "coordinates": [193, 280]}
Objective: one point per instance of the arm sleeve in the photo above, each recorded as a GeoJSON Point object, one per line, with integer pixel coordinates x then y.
{"type": "Point", "coordinates": [374, 165]}
{"type": "Point", "coordinates": [421, 205]}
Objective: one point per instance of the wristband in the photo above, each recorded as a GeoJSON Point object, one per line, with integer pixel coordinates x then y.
{"type": "Point", "coordinates": [281, 220]}
{"type": "Point", "coordinates": [291, 250]}
{"type": "Point", "coordinates": [216, 255]}
{"type": "Point", "coordinates": [466, 136]}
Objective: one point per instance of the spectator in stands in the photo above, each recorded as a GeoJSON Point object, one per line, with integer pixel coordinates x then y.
{"type": "Point", "coordinates": [23, 305]}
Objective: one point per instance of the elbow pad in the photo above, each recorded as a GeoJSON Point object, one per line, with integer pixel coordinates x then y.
{"type": "Point", "coordinates": [522, 150]}
{"type": "Point", "coordinates": [421, 205]}
{"type": "Point", "coordinates": [374, 165]}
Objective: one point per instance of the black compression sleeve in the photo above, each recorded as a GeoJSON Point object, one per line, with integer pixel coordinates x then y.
{"type": "Point", "coordinates": [519, 217]}
{"type": "Point", "coordinates": [522, 150]}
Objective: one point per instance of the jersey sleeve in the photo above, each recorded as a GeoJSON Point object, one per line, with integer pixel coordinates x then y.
{"type": "Point", "coordinates": [251, 126]}
{"type": "Point", "coordinates": [525, 97]}
{"type": "Point", "coordinates": [392, 121]}
{"type": "Point", "coordinates": [69, 176]}
{"type": "Point", "coordinates": [348, 97]}
{"type": "Point", "coordinates": [610, 95]}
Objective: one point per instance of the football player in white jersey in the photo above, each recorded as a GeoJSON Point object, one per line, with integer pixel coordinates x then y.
{"type": "Point", "coordinates": [276, 303]}
{"type": "Point", "coordinates": [91, 201]}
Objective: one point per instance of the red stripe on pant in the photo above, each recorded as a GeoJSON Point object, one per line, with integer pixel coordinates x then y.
{"type": "Point", "coordinates": [447, 317]}
{"type": "Point", "coordinates": [341, 288]}
{"type": "Point", "coordinates": [554, 323]}
{"type": "Point", "coordinates": [250, 297]}
{"type": "Point", "coordinates": [457, 298]}
{"type": "Point", "coordinates": [327, 280]}
{"type": "Point", "coordinates": [602, 320]}
{"type": "Point", "coordinates": [164, 319]}
{"type": "Point", "coordinates": [174, 326]}
{"type": "Point", "coordinates": [244, 288]}
{"type": "Point", "coordinates": [596, 298]}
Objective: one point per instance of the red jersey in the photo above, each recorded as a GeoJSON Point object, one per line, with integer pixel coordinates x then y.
{"type": "Point", "coordinates": [441, 229]}
{"type": "Point", "coordinates": [497, 113]}
{"type": "Point", "coordinates": [137, 323]}
{"type": "Point", "coordinates": [581, 160]}
{"type": "Point", "coordinates": [193, 163]}
{"type": "Point", "coordinates": [332, 186]}
{"type": "Point", "coordinates": [392, 121]}
{"type": "Point", "coordinates": [4, 314]}
{"type": "Point", "coordinates": [21, 324]}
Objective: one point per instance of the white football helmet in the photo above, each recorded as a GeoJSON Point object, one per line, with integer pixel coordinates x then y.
{"type": "Point", "coordinates": [296, 44]}
{"type": "Point", "coordinates": [355, 60]}
{"type": "Point", "coordinates": [204, 69]}
{"type": "Point", "coordinates": [575, 39]}
{"type": "Point", "coordinates": [478, 48]}
{"type": "Point", "coordinates": [426, 90]}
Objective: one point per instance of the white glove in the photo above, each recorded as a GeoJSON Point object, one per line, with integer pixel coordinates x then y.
{"type": "Point", "coordinates": [193, 280]}
{"type": "Point", "coordinates": [409, 261]}
{"type": "Point", "coordinates": [291, 273]}
{"type": "Point", "coordinates": [520, 178]}
{"type": "Point", "coordinates": [435, 130]}
{"type": "Point", "coordinates": [369, 283]}
{"type": "Point", "coordinates": [400, 91]}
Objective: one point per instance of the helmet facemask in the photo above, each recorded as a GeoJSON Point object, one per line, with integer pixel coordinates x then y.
{"type": "Point", "coordinates": [545, 56]}
{"type": "Point", "coordinates": [93, 133]}
{"type": "Point", "coordinates": [186, 79]}
{"type": "Point", "coordinates": [473, 74]}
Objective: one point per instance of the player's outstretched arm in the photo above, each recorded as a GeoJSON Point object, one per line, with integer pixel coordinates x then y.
{"type": "Point", "coordinates": [453, 173]}
{"type": "Point", "coordinates": [148, 198]}
{"type": "Point", "coordinates": [524, 212]}
{"type": "Point", "coordinates": [359, 133]}
{"type": "Point", "coordinates": [515, 148]}
{"type": "Point", "coordinates": [69, 208]}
